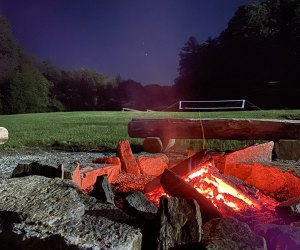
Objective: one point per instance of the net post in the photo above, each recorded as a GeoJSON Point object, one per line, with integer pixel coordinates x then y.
{"type": "Point", "coordinates": [243, 104]}
{"type": "Point", "coordinates": [180, 105]}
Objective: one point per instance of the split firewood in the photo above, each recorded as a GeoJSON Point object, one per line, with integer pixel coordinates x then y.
{"type": "Point", "coordinates": [177, 187]}
{"type": "Point", "coordinates": [3, 135]}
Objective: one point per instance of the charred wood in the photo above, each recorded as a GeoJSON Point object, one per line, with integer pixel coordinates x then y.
{"type": "Point", "coordinates": [177, 187]}
{"type": "Point", "coordinates": [182, 168]}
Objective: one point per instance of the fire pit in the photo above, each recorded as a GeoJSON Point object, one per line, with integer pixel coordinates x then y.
{"type": "Point", "coordinates": [219, 195]}
{"type": "Point", "coordinates": [234, 200]}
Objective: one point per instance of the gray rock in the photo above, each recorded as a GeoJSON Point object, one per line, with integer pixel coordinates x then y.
{"type": "Point", "coordinates": [10, 159]}
{"type": "Point", "coordinates": [92, 233]}
{"type": "Point", "coordinates": [180, 223]}
{"type": "Point", "coordinates": [37, 196]}
{"type": "Point", "coordinates": [56, 214]}
{"type": "Point", "coordinates": [290, 209]}
{"type": "Point", "coordinates": [106, 210]}
{"type": "Point", "coordinates": [280, 236]}
{"type": "Point", "coordinates": [227, 233]}
{"type": "Point", "coordinates": [288, 149]}
{"type": "Point", "coordinates": [102, 190]}
{"type": "Point", "coordinates": [152, 145]}
{"type": "Point", "coordinates": [260, 153]}
{"type": "Point", "coordinates": [157, 145]}
{"type": "Point", "coordinates": [36, 168]}
{"type": "Point", "coordinates": [295, 224]}
{"type": "Point", "coordinates": [138, 203]}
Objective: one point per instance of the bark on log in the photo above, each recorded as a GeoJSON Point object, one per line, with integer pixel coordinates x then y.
{"type": "Point", "coordinates": [3, 135]}
{"type": "Point", "coordinates": [182, 168]}
{"type": "Point", "coordinates": [177, 187]}
{"type": "Point", "coordinates": [227, 129]}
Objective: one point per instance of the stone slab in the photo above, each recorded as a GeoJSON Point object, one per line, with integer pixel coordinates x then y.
{"type": "Point", "coordinates": [85, 175]}
{"type": "Point", "coordinates": [52, 207]}
{"type": "Point", "coordinates": [260, 153]}
{"type": "Point", "coordinates": [288, 149]}
{"type": "Point", "coordinates": [228, 233]}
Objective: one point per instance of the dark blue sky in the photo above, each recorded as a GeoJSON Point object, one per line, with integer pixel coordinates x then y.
{"type": "Point", "coordinates": [137, 39]}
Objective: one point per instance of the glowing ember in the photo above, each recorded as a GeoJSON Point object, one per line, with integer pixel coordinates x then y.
{"type": "Point", "coordinates": [231, 197]}
{"type": "Point", "coordinates": [155, 195]}
{"type": "Point", "coordinates": [213, 188]}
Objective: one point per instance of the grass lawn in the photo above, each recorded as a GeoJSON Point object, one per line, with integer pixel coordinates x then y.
{"type": "Point", "coordinates": [95, 130]}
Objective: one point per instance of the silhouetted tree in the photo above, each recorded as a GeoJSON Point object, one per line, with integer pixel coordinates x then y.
{"type": "Point", "coordinates": [257, 57]}
{"type": "Point", "coordinates": [28, 92]}
{"type": "Point", "coordinates": [23, 88]}
{"type": "Point", "coordinates": [9, 58]}
{"type": "Point", "coordinates": [49, 70]}
{"type": "Point", "coordinates": [131, 94]}
{"type": "Point", "coordinates": [9, 52]}
{"type": "Point", "coordinates": [80, 89]}
{"type": "Point", "coordinates": [158, 97]}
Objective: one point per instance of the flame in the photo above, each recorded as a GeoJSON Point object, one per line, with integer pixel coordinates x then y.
{"type": "Point", "coordinates": [230, 199]}
{"type": "Point", "coordinates": [218, 190]}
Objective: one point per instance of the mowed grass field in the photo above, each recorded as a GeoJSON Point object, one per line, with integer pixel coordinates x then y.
{"type": "Point", "coordinates": [101, 130]}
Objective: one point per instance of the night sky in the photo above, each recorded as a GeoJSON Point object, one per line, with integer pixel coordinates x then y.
{"type": "Point", "coordinates": [138, 39]}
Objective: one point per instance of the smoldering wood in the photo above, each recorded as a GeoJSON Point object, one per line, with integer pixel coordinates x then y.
{"type": "Point", "coordinates": [226, 129]}
{"type": "Point", "coordinates": [177, 187]}
{"type": "Point", "coordinates": [182, 168]}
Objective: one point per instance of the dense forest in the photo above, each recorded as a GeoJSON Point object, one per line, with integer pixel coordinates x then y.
{"type": "Point", "coordinates": [257, 58]}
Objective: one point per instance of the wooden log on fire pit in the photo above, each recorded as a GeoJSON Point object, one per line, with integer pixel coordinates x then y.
{"type": "Point", "coordinates": [3, 135]}
{"type": "Point", "coordinates": [177, 187]}
{"type": "Point", "coordinates": [227, 129]}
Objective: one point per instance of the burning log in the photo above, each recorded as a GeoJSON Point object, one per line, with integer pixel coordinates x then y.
{"type": "Point", "coordinates": [182, 168]}
{"type": "Point", "coordinates": [230, 196]}
{"type": "Point", "coordinates": [238, 129]}
{"type": "Point", "coordinates": [177, 187]}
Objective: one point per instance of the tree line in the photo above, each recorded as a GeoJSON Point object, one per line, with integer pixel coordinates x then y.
{"type": "Point", "coordinates": [28, 85]}
{"type": "Point", "coordinates": [257, 57]}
